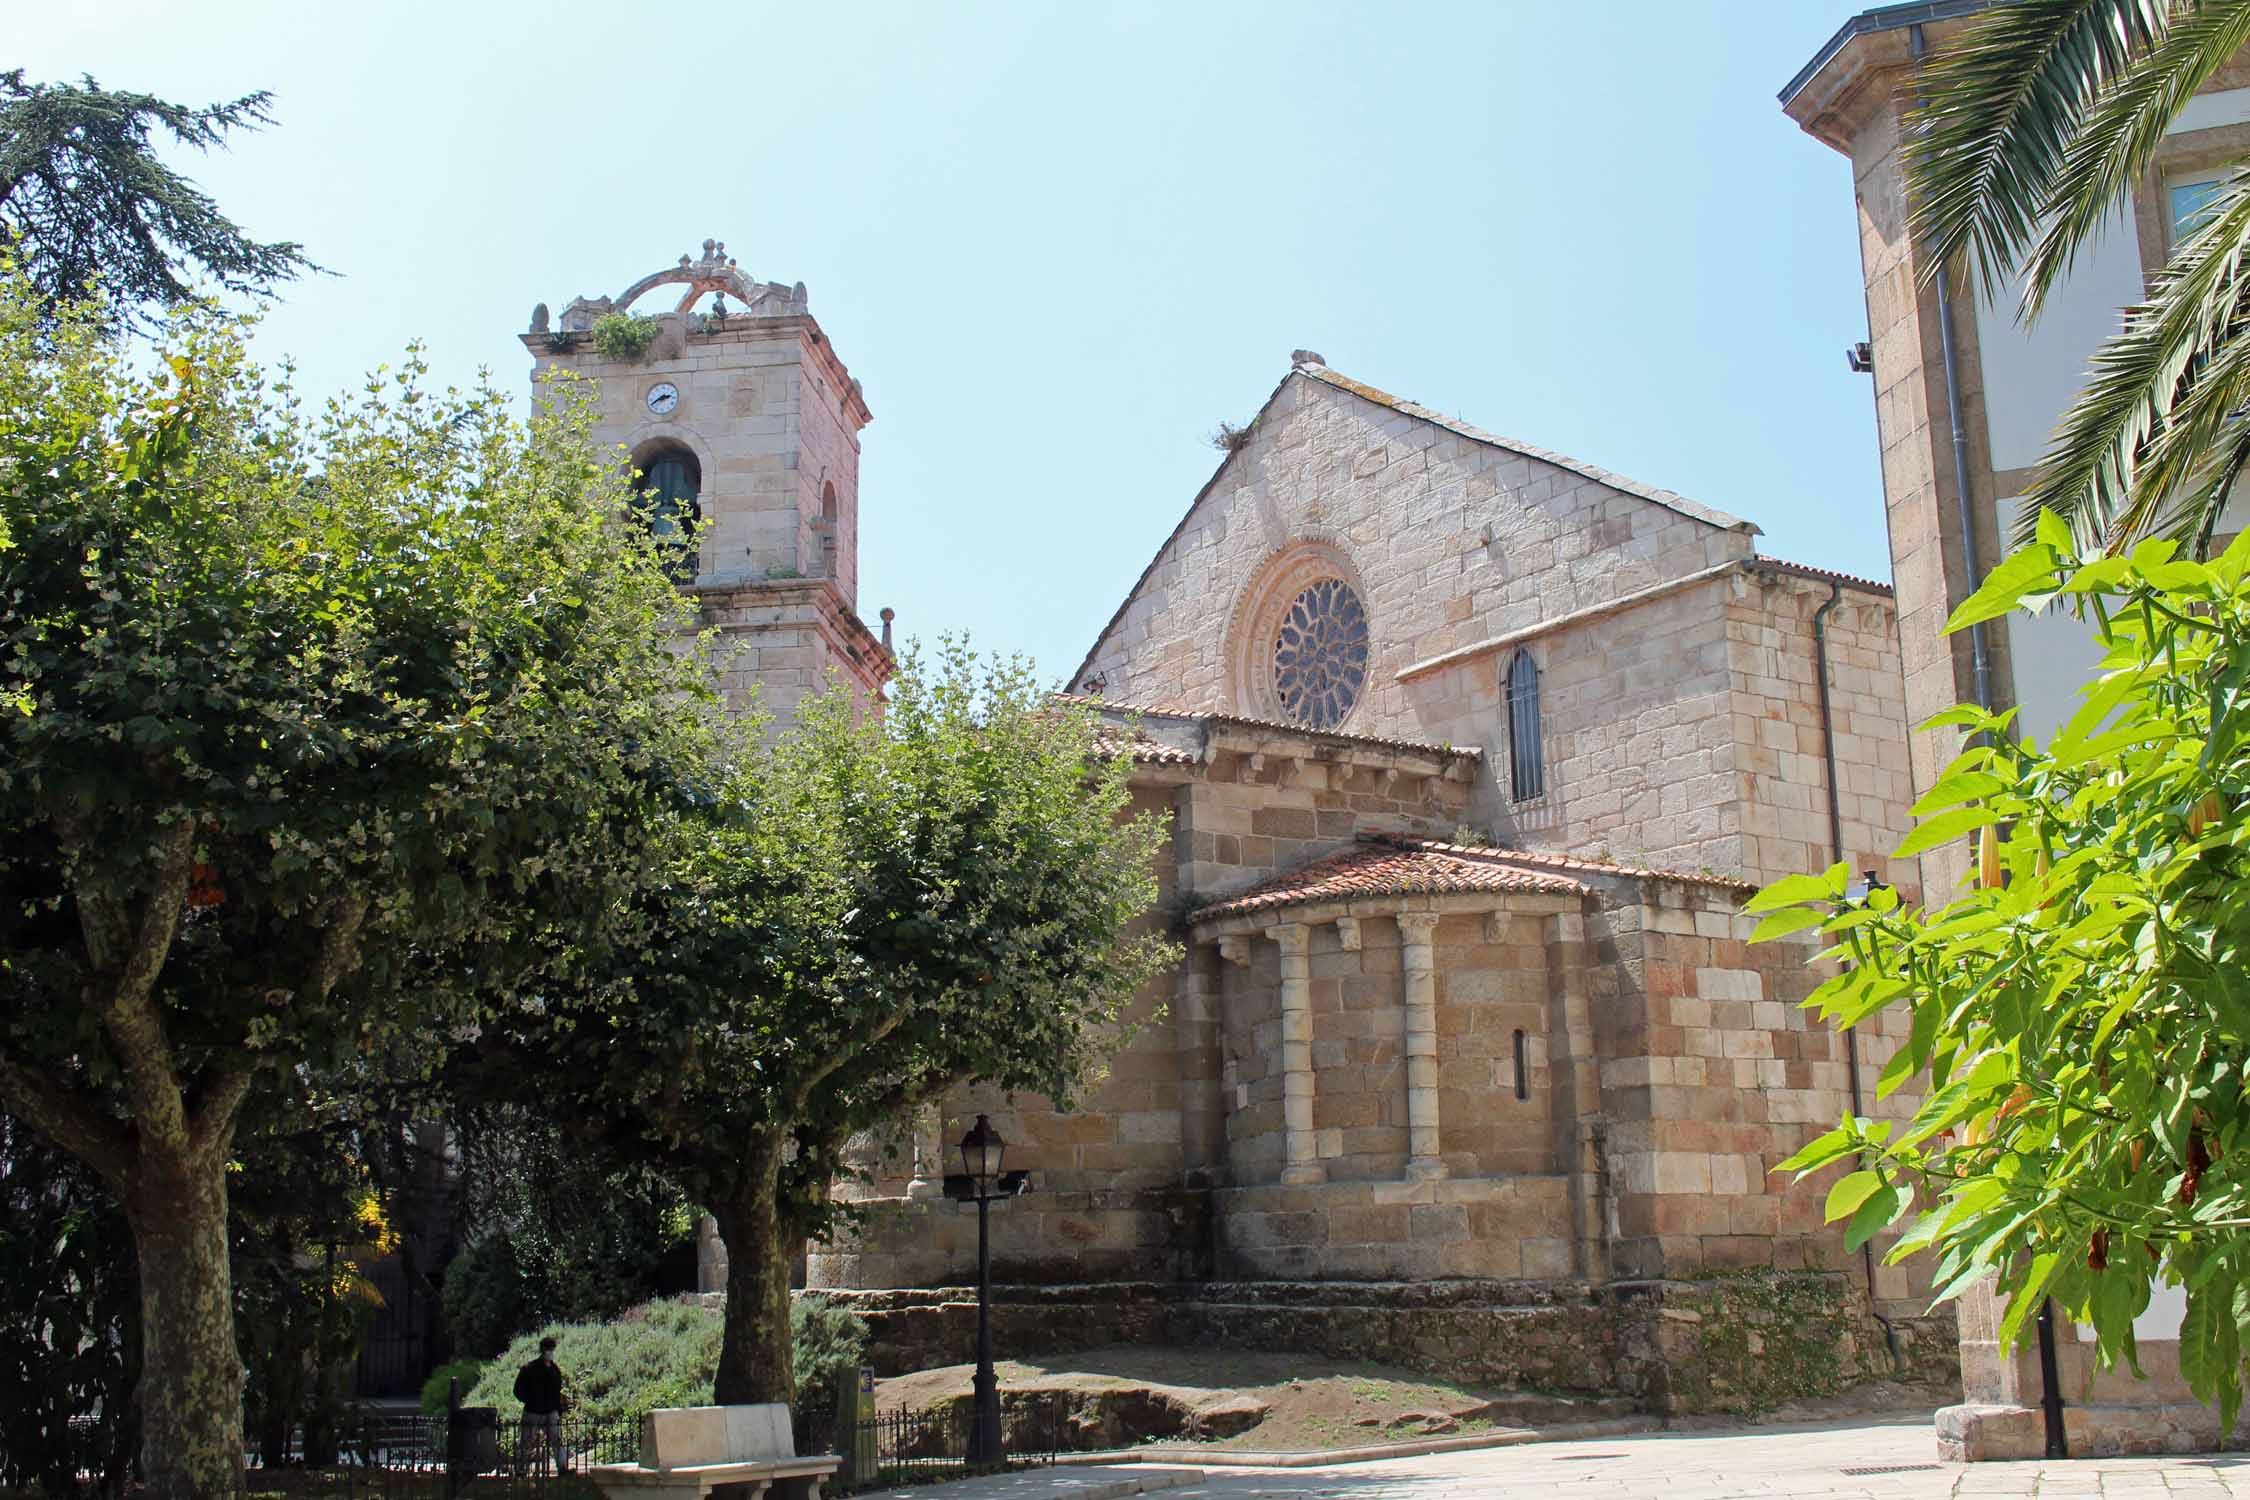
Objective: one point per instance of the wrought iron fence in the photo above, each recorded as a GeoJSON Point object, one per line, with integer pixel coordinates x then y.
{"type": "Point", "coordinates": [475, 1457]}
{"type": "Point", "coordinates": [934, 1443]}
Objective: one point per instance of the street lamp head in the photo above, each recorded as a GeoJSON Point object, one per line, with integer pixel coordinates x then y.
{"type": "Point", "coordinates": [980, 1152]}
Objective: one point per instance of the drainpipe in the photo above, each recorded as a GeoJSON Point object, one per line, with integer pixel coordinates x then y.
{"type": "Point", "coordinates": [2050, 1381]}
{"type": "Point", "coordinates": [1950, 356]}
{"type": "Point", "coordinates": [1836, 846]}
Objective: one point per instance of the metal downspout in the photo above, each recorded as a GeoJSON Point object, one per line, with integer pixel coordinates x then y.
{"type": "Point", "coordinates": [1836, 845]}
{"type": "Point", "coordinates": [1949, 354]}
{"type": "Point", "coordinates": [2050, 1382]}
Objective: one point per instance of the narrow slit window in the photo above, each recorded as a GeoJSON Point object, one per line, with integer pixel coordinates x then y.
{"type": "Point", "coordinates": [1523, 1067]}
{"type": "Point", "coordinates": [1527, 770]}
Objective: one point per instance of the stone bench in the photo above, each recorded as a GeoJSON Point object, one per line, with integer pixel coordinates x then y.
{"type": "Point", "coordinates": [687, 1451]}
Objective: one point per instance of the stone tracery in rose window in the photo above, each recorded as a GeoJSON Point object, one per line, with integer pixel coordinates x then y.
{"type": "Point", "coordinates": [1320, 652]}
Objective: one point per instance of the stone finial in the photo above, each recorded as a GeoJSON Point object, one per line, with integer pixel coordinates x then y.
{"type": "Point", "coordinates": [1306, 357]}
{"type": "Point", "coordinates": [889, 614]}
{"type": "Point", "coordinates": [539, 318]}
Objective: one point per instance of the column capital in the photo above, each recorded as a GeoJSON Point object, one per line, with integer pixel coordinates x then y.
{"type": "Point", "coordinates": [1416, 926]}
{"type": "Point", "coordinates": [1290, 937]}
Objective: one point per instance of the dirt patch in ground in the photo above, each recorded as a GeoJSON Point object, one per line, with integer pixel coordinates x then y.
{"type": "Point", "coordinates": [1213, 1397]}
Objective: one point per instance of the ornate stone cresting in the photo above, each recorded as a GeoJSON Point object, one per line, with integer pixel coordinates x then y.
{"type": "Point", "coordinates": [714, 271]}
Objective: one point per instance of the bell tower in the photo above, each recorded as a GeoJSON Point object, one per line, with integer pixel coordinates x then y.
{"type": "Point", "coordinates": [737, 416]}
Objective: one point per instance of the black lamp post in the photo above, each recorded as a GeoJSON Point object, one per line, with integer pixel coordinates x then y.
{"type": "Point", "coordinates": [980, 1159]}
{"type": "Point", "coordinates": [980, 1182]}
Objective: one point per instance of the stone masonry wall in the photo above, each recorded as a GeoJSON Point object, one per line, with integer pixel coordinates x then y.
{"type": "Point", "coordinates": [1782, 779]}
{"type": "Point", "coordinates": [1712, 1075]}
{"type": "Point", "coordinates": [1638, 753]}
{"type": "Point", "coordinates": [1452, 540]}
{"type": "Point", "coordinates": [1738, 1344]}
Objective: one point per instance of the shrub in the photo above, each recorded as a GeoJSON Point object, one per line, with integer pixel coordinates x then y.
{"type": "Point", "coordinates": [485, 1297]}
{"type": "Point", "coordinates": [625, 336]}
{"type": "Point", "coordinates": [439, 1385]}
{"type": "Point", "coordinates": [664, 1354]}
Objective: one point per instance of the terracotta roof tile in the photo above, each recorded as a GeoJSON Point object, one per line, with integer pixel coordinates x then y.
{"type": "Point", "coordinates": [1146, 751]}
{"type": "Point", "coordinates": [1150, 710]}
{"type": "Point", "coordinates": [1806, 570]}
{"type": "Point", "coordinates": [1546, 860]}
{"type": "Point", "coordinates": [1383, 869]}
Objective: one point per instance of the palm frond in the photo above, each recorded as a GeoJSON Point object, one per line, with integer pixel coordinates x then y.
{"type": "Point", "coordinates": [2003, 102]}
{"type": "Point", "coordinates": [2118, 138]}
{"type": "Point", "coordinates": [2164, 394]}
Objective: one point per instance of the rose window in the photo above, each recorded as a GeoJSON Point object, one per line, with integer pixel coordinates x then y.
{"type": "Point", "coordinates": [1320, 654]}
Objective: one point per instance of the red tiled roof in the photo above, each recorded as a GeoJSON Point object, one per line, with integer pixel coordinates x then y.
{"type": "Point", "coordinates": [1465, 752]}
{"type": "Point", "coordinates": [1806, 570]}
{"type": "Point", "coordinates": [1546, 860]}
{"type": "Point", "coordinates": [1148, 752]}
{"type": "Point", "coordinates": [1381, 869]}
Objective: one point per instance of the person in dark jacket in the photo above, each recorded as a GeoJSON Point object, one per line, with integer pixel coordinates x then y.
{"type": "Point", "coordinates": [539, 1386]}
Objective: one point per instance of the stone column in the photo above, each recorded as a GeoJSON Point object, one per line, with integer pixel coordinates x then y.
{"type": "Point", "coordinates": [1420, 968]}
{"type": "Point", "coordinates": [1299, 1149]}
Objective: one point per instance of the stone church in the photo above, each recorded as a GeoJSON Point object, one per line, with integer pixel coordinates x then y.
{"type": "Point", "coordinates": [1470, 752]}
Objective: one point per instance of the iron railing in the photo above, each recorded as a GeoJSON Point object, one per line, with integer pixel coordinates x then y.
{"type": "Point", "coordinates": [933, 1443]}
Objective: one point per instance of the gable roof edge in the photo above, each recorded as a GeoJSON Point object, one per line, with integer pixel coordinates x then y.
{"type": "Point", "coordinates": [1694, 510]}
{"type": "Point", "coordinates": [1169, 538]}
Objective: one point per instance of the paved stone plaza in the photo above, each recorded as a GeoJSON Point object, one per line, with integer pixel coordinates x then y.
{"type": "Point", "coordinates": [1858, 1461]}
{"type": "Point", "coordinates": [1816, 1461]}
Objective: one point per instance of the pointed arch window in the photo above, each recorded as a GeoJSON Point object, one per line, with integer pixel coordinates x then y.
{"type": "Point", "coordinates": [669, 481]}
{"type": "Point", "coordinates": [1527, 768]}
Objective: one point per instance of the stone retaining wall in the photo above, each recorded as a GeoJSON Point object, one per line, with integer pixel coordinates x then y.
{"type": "Point", "coordinates": [1742, 1343]}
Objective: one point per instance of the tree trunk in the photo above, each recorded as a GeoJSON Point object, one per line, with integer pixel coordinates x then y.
{"type": "Point", "coordinates": [755, 1362]}
{"type": "Point", "coordinates": [191, 1371]}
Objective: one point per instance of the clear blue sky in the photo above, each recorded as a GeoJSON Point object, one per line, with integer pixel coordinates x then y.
{"type": "Point", "coordinates": [1059, 243]}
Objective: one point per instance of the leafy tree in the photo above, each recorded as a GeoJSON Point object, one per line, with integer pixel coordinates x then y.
{"type": "Point", "coordinates": [2083, 1009]}
{"type": "Point", "coordinates": [70, 1327]}
{"type": "Point", "coordinates": [558, 1230]}
{"type": "Point", "coordinates": [2041, 115]}
{"type": "Point", "coordinates": [876, 910]}
{"type": "Point", "coordinates": [308, 1221]}
{"type": "Point", "coordinates": [331, 718]}
{"type": "Point", "coordinates": [87, 199]}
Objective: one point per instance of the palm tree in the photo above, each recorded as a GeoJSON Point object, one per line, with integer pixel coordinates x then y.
{"type": "Point", "coordinates": [2037, 120]}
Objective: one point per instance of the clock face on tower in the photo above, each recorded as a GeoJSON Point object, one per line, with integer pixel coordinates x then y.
{"type": "Point", "coordinates": [663, 397]}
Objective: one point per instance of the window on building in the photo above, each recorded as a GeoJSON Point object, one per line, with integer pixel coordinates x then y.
{"type": "Point", "coordinates": [2192, 204]}
{"type": "Point", "coordinates": [1527, 769]}
{"type": "Point", "coordinates": [669, 481]}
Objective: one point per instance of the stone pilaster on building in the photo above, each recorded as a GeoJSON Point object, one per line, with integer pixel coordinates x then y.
{"type": "Point", "coordinates": [1574, 1074]}
{"type": "Point", "coordinates": [1419, 970]}
{"type": "Point", "coordinates": [1300, 1148]}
